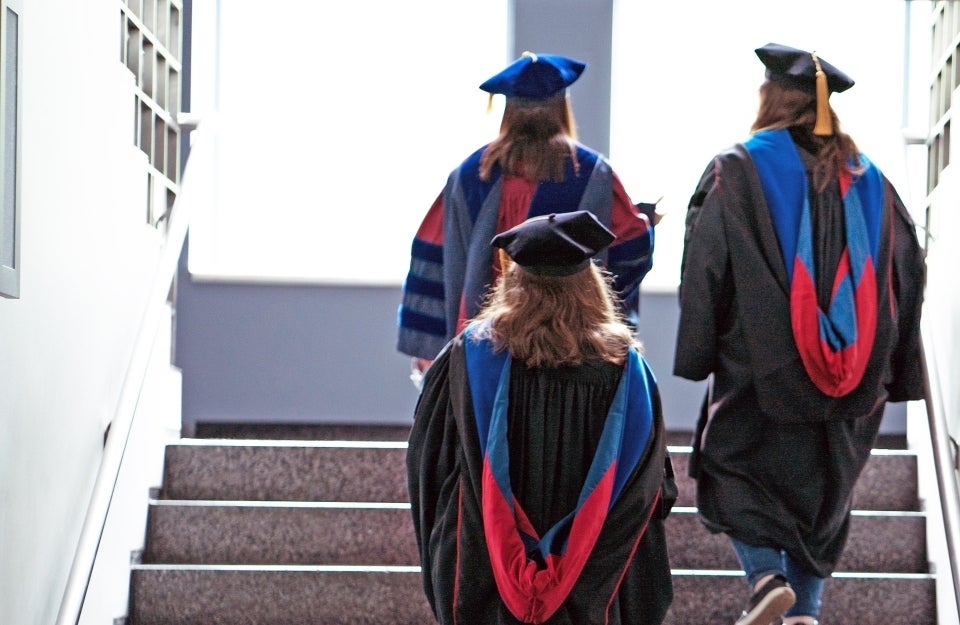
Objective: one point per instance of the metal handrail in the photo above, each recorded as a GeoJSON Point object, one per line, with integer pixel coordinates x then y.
{"type": "Point", "coordinates": [88, 545]}
{"type": "Point", "coordinates": [944, 462]}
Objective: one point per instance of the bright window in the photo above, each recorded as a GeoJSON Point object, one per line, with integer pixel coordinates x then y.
{"type": "Point", "coordinates": [339, 123]}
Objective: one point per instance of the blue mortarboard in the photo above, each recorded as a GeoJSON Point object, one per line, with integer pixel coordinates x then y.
{"type": "Point", "coordinates": [808, 72]}
{"type": "Point", "coordinates": [535, 76]}
{"type": "Point", "coordinates": [559, 244]}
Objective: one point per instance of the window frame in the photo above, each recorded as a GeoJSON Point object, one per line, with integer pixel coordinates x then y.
{"type": "Point", "coordinates": [10, 275]}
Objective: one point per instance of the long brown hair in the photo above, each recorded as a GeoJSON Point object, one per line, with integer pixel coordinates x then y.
{"type": "Point", "coordinates": [549, 321]}
{"type": "Point", "coordinates": [536, 137]}
{"type": "Point", "coordinates": [785, 107]}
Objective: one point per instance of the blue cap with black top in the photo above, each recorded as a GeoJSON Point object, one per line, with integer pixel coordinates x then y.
{"type": "Point", "coordinates": [535, 76]}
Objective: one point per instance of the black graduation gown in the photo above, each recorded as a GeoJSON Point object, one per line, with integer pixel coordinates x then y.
{"type": "Point", "coordinates": [551, 445]}
{"type": "Point", "coordinates": [775, 459]}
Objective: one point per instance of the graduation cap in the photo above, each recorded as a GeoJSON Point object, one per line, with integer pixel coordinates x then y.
{"type": "Point", "coordinates": [535, 76]}
{"type": "Point", "coordinates": [808, 72]}
{"type": "Point", "coordinates": [560, 244]}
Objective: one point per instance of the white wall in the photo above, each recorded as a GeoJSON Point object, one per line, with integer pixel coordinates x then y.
{"type": "Point", "coordinates": [156, 425]}
{"type": "Point", "coordinates": [686, 79]}
{"type": "Point", "coordinates": [86, 250]}
{"type": "Point", "coordinates": [942, 346]}
{"type": "Point", "coordinates": [339, 126]}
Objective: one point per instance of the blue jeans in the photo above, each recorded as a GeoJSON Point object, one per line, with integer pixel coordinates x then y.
{"type": "Point", "coordinates": [758, 562]}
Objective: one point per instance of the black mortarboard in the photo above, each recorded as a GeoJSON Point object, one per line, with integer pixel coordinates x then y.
{"type": "Point", "coordinates": [798, 68]}
{"type": "Point", "coordinates": [535, 76]}
{"type": "Point", "coordinates": [560, 244]}
{"type": "Point", "coordinates": [808, 72]}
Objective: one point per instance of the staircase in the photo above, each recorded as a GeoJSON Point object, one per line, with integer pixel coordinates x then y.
{"type": "Point", "coordinates": [312, 526]}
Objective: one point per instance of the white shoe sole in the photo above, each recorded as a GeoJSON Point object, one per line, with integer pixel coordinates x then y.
{"type": "Point", "coordinates": [775, 603]}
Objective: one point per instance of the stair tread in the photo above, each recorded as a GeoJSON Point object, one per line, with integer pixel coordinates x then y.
{"type": "Point", "coordinates": [303, 431]}
{"type": "Point", "coordinates": [342, 533]}
{"type": "Point", "coordinates": [376, 471]}
{"type": "Point", "coordinates": [254, 533]}
{"type": "Point", "coordinates": [183, 595]}
{"type": "Point", "coordinates": [380, 431]}
{"type": "Point", "coordinates": [186, 595]}
{"type": "Point", "coordinates": [888, 480]}
{"type": "Point", "coordinates": [315, 471]}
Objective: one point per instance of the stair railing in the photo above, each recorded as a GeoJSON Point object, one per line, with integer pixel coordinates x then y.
{"type": "Point", "coordinates": [155, 312]}
{"type": "Point", "coordinates": [944, 461]}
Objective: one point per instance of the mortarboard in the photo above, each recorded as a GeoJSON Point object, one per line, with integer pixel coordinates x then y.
{"type": "Point", "coordinates": [560, 244]}
{"type": "Point", "coordinates": [808, 72]}
{"type": "Point", "coordinates": [535, 76]}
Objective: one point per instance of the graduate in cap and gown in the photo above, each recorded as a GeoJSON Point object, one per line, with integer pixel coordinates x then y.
{"type": "Point", "coordinates": [534, 167]}
{"type": "Point", "coordinates": [801, 288]}
{"type": "Point", "coordinates": [537, 468]}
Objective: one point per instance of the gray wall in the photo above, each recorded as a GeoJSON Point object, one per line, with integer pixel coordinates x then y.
{"type": "Point", "coordinates": [295, 353]}
{"type": "Point", "coordinates": [582, 29]}
{"type": "Point", "coordinates": [289, 353]}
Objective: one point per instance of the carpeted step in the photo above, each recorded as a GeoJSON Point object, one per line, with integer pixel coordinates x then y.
{"type": "Point", "coordinates": [888, 481]}
{"type": "Point", "coordinates": [188, 595]}
{"type": "Point", "coordinates": [307, 431]}
{"type": "Point", "coordinates": [376, 471]}
{"type": "Point", "coordinates": [181, 532]}
{"type": "Point", "coordinates": [879, 542]}
{"type": "Point", "coordinates": [262, 595]}
{"type": "Point", "coordinates": [249, 470]}
{"type": "Point", "coordinates": [316, 528]}
{"type": "Point", "coordinates": [707, 597]}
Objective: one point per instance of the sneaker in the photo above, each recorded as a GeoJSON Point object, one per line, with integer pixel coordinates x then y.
{"type": "Point", "coordinates": [768, 603]}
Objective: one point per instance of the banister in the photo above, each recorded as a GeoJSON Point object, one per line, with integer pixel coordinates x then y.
{"type": "Point", "coordinates": [108, 473]}
{"type": "Point", "coordinates": [944, 461]}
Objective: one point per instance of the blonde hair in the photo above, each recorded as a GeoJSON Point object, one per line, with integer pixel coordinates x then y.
{"type": "Point", "coordinates": [784, 107]}
{"type": "Point", "coordinates": [549, 321]}
{"type": "Point", "coordinates": [536, 137]}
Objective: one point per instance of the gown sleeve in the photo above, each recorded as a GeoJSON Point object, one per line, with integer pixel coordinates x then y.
{"type": "Point", "coordinates": [422, 326]}
{"type": "Point", "coordinates": [908, 281]}
{"type": "Point", "coordinates": [431, 464]}
{"type": "Point", "coordinates": [704, 281]}
{"type": "Point", "coordinates": [630, 258]}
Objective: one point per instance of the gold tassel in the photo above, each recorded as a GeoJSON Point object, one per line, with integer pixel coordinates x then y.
{"type": "Point", "coordinates": [490, 103]}
{"type": "Point", "coordinates": [504, 259]}
{"type": "Point", "coordinates": [824, 125]}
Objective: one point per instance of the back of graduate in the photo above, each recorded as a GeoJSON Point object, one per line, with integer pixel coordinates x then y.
{"type": "Point", "coordinates": [537, 467]}
{"type": "Point", "coordinates": [800, 299]}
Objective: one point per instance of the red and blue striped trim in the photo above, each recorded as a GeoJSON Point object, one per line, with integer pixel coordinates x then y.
{"type": "Point", "coordinates": [834, 345]}
{"type": "Point", "coordinates": [535, 574]}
